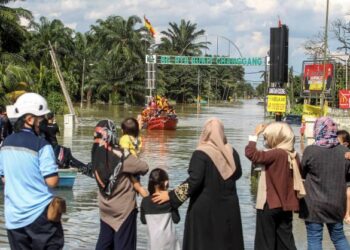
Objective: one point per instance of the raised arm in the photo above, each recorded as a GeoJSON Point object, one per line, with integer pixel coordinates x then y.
{"type": "Point", "coordinates": [259, 156]}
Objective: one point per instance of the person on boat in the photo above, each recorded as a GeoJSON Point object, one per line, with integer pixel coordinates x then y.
{"type": "Point", "coordinates": [49, 130]}
{"type": "Point", "coordinates": [152, 103]}
{"type": "Point", "coordinates": [279, 187]}
{"type": "Point", "coordinates": [325, 170]}
{"type": "Point", "coordinates": [131, 141]}
{"type": "Point", "coordinates": [29, 172]}
{"type": "Point", "coordinates": [213, 218]}
{"type": "Point", "coordinates": [112, 168]}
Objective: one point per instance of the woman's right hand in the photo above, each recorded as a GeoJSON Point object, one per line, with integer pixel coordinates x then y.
{"type": "Point", "coordinates": [259, 128]}
{"type": "Point", "coordinates": [160, 197]}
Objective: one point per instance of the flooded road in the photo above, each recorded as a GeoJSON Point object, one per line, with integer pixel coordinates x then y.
{"type": "Point", "coordinates": [167, 149]}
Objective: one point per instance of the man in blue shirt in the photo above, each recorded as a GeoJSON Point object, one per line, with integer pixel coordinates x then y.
{"type": "Point", "coordinates": [29, 171]}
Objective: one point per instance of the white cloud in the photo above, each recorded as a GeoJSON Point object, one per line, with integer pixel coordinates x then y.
{"type": "Point", "coordinates": [70, 5]}
{"type": "Point", "coordinates": [71, 25]}
{"type": "Point", "coordinates": [246, 22]}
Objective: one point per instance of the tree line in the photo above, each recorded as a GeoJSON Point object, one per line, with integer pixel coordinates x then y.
{"type": "Point", "coordinates": [109, 59]}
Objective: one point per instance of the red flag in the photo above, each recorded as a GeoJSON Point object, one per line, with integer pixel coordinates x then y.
{"type": "Point", "coordinates": [149, 26]}
{"type": "Point", "coordinates": [279, 22]}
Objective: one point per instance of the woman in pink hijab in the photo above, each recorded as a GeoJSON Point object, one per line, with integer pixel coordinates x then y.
{"type": "Point", "coordinates": [213, 219]}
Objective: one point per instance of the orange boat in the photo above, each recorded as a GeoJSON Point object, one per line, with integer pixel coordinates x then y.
{"type": "Point", "coordinates": [168, 122]}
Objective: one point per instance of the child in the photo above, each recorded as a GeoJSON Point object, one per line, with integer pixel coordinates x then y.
{"type": "Point", "coordinates": [132, 142]}
{"type": "Point", "coordinates": [159, 217]}
{"type": "Point", "coordinates": [344, 139]}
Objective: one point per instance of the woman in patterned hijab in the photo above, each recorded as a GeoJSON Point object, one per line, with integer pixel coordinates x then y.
{"type": "Point", "coordinates": [106, 156]}
{"type": "Point", "coordinates": [325, 132]}
{"type": "Point", "coordinates": [325, 171]}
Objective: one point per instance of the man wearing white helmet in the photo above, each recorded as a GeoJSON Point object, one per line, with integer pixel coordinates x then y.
{"type": "Point", "coordinates": [29, 171]}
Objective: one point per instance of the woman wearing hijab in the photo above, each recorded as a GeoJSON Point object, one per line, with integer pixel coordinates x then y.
{"type": "Point", "coordinates": [324, 169]}
{"type": "Point", "coordinates": [116, 197]}
{"type": "Point", "coordinates": [213, 219]}
{"type": "Point", "coordinates": [279, 185]}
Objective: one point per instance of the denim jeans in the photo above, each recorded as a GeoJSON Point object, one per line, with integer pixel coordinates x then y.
{"type": "Point", "coordinates": [315, 234]}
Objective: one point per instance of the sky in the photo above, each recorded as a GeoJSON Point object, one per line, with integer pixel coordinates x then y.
{"type": "Point", "coordinates": [244, 22]}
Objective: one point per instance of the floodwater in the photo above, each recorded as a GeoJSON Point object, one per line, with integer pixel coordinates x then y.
{"type": "Point", "coordinates": [167, 149]}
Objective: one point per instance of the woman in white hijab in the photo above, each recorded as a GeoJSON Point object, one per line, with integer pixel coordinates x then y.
{"type": "Point", "coordinates": [213, 219]}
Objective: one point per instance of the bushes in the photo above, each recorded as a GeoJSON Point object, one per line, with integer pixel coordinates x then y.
{"type": "Point", "coordinates": [56, 102]}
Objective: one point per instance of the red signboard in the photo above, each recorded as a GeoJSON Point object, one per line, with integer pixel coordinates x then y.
{"type": "Point", "coordinates": [314, 75]}
{"type": "Point", "coordinates": [344, 99]}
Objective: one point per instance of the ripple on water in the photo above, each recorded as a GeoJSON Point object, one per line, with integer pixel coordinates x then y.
{"type": "Point", "coordinates": [167, 149]}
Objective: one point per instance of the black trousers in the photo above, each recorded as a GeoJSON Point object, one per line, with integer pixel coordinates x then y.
{"type": "Point", "coordinates": [123, 239]}
{"type": "Point", "coordinates": [41, 234]}
{"type": "Point", "coordinates": [274, 229]}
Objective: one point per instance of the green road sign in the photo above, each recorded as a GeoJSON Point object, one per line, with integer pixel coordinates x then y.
{"type": "Point", "coordinates": [207, 60]}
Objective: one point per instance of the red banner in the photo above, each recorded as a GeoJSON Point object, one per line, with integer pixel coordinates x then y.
{"type": "Point", "coordinates": [313, 77]}
{"type": "Point", "coordinates": [344, 99]}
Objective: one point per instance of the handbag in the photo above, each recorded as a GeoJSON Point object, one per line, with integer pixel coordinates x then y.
{"type": "Point", "coordinates": [56, 208]}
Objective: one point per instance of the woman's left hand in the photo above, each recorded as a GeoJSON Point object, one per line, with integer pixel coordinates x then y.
{"type": "Point", "coordinates": [160, 197]}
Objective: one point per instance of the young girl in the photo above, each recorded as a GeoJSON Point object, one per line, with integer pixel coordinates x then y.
{"type": "Point", "coordinates": [132, 142]}
{"type": "Point", "coordinates": [344, 139]}
{"type": "Point", "coordinates": [159, 217]}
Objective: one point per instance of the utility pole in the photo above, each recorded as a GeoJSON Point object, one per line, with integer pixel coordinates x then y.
{"type": "Point", "coordinates": [291, 80]}
{"type": "Point", "coordinates": [209, 89]}
{"type": "Point", "coordinates": [198, 79]}
{"type": "Point", "coordinates": [322, 99]}
{"type": "Point", "coordinates": [82, 85]}
{"type": "Point", "coordinates": [61, 81]}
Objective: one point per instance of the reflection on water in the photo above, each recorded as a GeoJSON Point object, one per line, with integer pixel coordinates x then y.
{"type": "Point", "coordinates": [167, 149]}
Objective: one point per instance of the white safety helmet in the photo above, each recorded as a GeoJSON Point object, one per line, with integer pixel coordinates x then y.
{"type": "Point", "coordinates": [28, 103]}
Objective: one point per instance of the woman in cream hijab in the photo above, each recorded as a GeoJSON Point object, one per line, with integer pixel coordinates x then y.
{"type": "Point", "coordinates": [279, 186]}
{"type": "Point", "coordinates": [213, 219]}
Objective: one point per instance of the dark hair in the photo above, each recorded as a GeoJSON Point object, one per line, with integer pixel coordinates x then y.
{"type": "Point", "coordinates": [344, 135]}
{"type": "Point", "coordinates": [50, 116]}
{"type": "Point", "coordinates": [19, 124]}
{"type": "Point", "coordinates": [157, 177]}
{"type": "Point", "coordinates": [130, 126]}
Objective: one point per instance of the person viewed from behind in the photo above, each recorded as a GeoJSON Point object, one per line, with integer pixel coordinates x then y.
{"type": "Point", "coordinates": [344, 139]}
{"type": "Point", "coordinates": [324, 169]}
{"type": "Point", "coordinates": [116, 197]}
{"type": "Point", "coordinates": [49, 130]}
{"type": "Point", "coordinates": [279, 185]}
{"type": "Point", "coordinates": [52, 129]}
{"type": "Point", "coordinates": [213, 218]}
{"type": "Point", "coordinates": [5, 124]}
{"type": "Point", "coordinates": [159, 217]}
{"type": "Point", "coordinates": [131, 141]}
{"type": "Point", "coordinates": [29, 171]}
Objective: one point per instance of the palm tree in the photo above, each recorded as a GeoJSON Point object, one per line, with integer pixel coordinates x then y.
{"type": "Point", "coordinates": [120, 50]}
{"type": "Point", "coordinates": [61, 37]}
{"type": "Point", "coordinates": [181, 39]}
{"type": "Point", "coordinates": [12, 33]}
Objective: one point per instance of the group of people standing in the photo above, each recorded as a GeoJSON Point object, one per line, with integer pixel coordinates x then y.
{"type": "Point", "coordinates": [313, 185]}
